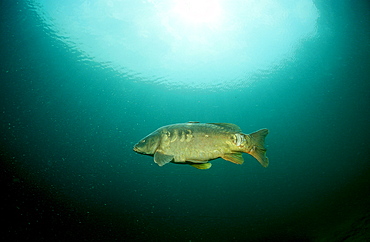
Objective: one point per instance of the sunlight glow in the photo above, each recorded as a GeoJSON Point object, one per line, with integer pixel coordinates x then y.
{"type": "Point", "coordinates": [198, 11]}
{"type": "Point", "coordinates": [184, 43]}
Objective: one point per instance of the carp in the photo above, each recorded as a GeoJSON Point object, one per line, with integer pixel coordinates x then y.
{"type": "Point", "coordinates": [197, 143]}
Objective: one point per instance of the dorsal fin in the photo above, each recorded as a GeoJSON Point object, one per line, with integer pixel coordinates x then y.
{"type": "Point", "coordinates": [229, 127]}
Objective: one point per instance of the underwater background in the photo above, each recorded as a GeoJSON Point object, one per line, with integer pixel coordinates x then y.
{"type": "Point", "coordinates": [69, 123]}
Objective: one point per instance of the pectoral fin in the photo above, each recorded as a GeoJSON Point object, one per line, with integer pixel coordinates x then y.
{"type": "Point", "coordinates": [161, 159]}
{"type": "Point", "coordinates": [203, 166]}
{"type": "Point", "coordinates": [236, 158]}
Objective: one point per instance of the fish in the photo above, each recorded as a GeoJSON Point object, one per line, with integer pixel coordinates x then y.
{"type": "Point", "coordinates": [196, 144]}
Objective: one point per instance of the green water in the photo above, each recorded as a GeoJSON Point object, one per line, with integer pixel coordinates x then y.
{"type": "Point", "coordinates": [69, 123]}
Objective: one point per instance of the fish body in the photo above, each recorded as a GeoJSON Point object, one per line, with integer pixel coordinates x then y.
{"type": "Point", "coordinates": [197, 143]}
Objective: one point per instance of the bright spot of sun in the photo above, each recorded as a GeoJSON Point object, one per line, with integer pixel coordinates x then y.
{"type": "Point", "coordinates": [185, 43]}
{"type": "Point", "coordinates": [197, 11]}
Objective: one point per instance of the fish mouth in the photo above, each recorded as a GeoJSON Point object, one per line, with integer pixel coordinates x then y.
{"type": "Point", "coordinates": [136, 149]}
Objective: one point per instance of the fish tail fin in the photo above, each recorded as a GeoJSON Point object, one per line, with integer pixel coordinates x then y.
{"type": "Point", "coordinates": [258, 149]}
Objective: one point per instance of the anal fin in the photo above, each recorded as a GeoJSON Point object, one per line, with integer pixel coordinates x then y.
{"type": "Point", "coordinates": [236, 158]}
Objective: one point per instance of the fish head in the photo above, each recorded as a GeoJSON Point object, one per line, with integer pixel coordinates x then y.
{"type": "Point", "coordinates": [148, 145]}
